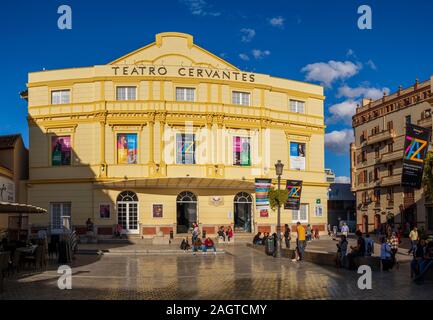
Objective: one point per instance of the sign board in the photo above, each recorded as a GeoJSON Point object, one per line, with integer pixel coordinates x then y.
{"type": "Point", "coordinates": [416, 144]}
{"type": "Point", "coordinates": [294, 200]}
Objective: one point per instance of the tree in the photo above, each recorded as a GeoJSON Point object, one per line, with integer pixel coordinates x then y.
{"type": "Point", "coordinates": [427, 179]}
{"type": "Point", "coordinates": [277, 197]}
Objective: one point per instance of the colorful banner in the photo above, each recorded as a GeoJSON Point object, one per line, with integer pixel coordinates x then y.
{"type": "Point", "coordinates": [241, 151]}
{"type": "Point", "coordinates": [416, 144]}
{"type": "Point", "coordinates": [262, 196]}
{"type": "Point", "coordinates": [294, 199]}
{"type": "Point", "coordinates": [297, 155]}
{"type": "Point", "coordinates": [127, 148]}
{"type": "Point", "coordinates": [61, 151]}
{"type": "Point", "coordinates": [185, 148]}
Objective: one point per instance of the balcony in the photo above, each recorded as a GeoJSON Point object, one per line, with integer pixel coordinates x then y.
{"type": "Point", "coordinates": [391, 156]}
{"type": "Point", "coordinates": [426, 122]}
{"type": "Point", "coordinates": [381, 136]}
{"type": "Point", "coordinates": [391, 180]}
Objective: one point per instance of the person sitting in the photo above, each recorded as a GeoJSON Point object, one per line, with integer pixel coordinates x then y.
{"type": "Point", "coordinates": [197, 245]}
{"type": "Point", "coordinates": [229, 233]}
{"type": "Point", "coordinates": [385, 255]}
{"type": "Point", "coordinates": [209, 244]}
{"type": "Point", "coordinates": [89, 225]}
{"type": "Point", "coordinates": [185, 245]}
{"type": "Point", "coordinates": [342, 251]}
{"type": "Point", "coordinates": [357, 251]}
{"type": "Point", "coordinates": [426, 263]}
{"type": "Point", "coordinates": [316, 233]}
{"type": "Point", "coordinates": [221, 233]}
{"type": "Point", "coordinates": [118, 230]}
{"type": "Point", "coordinates": [257, 238]}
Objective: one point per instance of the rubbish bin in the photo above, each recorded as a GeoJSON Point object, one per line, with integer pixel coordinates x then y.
{"type": "Point", "coordinates": [270, 246]}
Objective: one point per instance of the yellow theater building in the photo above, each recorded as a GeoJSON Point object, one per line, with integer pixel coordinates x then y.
{"type": "Point", "coordinates": [168, 135]}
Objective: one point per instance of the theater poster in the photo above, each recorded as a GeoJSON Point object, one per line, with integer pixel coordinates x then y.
{"type": "Point", "coordinates": [416, 144]}
{"type": "Point", "coordinates": [61, 151]}
{"type": "Point", "coordinates": [262, 196]}
{"type": "Point", "coordinates": [241, 151]}
{"type": "Point", "coordinates": [294, 188]}
{"type": "Point", "coordinates": [127, 148]}
{"type": "Point", "coordinates": [297, 156]}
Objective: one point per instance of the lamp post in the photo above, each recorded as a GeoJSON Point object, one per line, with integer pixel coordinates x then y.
{"type": "Point", "coordinates": [279, 171]}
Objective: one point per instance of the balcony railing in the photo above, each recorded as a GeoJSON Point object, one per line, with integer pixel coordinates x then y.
{"type": "Point", "coordinates": [426, 122]}
{"type": "Point", "coordinates": [391, 156]}
{"type": "Point", "coordinates": [381, 136]}
{"type": "Point", "coordinates": [391, 180]}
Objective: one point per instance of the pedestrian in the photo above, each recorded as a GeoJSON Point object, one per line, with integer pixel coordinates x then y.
{"type": "Point", "coordinates": [287, 236]}
{"type": "Point", "coordinates": [369, 245]}
{"type": "Point", "coordinates": [345, 229]}
{"type": "Point", "coordinates": [197, 245]}
{"type": "Point", "coordinates": [229, 233]}
{"type": "Point", "coordinates": [185, 245]}
{"type": "Point", "coordinates": [257, 238]}
{"type": "Point", "coordinates": [418, 257]}
{"type": "Point", "coordinates": [393, 242]}
{"type": "Point", "coordinates": [427, 263]}
{"type": "Point", "coordinates": [334, 231]}
{"type": "Point", "coordinates": [195, 232]}
{"type": "Point", "coordinates": [342, 252]}
{"type": "Point", "coordinates": [385, 255]}
{"type": "Point", "coordinates": [221, 233]}
{"type": "Point", "coordinates": [209, 244]}
{"type": "Point", "coordinates": [328, 228]}
{"type": "Point", "coordinates": [414, 237]}
{"type": "Point", "coordinates": [356, 251]}
{"type": "Point", "coordinates": [300, 240]}
{"type": "Point", "coordinates": [308, 233]}
{"type": "Point", "coordinates": [316, 233]}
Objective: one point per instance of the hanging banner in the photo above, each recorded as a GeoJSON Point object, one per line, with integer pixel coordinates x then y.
{"type": "Point", "coordinates": [262, 196]}
{"type": "Point", "coordinates": [416, 144]}
{"type": "Point", "coordinates": [294, 200]}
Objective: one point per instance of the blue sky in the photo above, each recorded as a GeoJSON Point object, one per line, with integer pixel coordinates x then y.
{"type": "Point", "coordinates": [310, 40]}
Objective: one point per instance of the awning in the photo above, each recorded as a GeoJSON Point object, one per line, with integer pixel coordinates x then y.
{"type": "Point", "coordinates": [8, 207]}
{"type": "Point", "coordinates": [181, 182]}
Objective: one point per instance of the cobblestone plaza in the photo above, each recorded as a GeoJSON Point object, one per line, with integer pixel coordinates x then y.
{"type": "Point", "coordinates": [240, 273]}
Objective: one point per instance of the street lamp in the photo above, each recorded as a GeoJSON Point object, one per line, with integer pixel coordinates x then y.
{"type": "Point", "coordinates": [279, 171]}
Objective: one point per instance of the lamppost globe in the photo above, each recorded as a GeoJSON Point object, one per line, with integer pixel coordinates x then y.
{"type": "Point", "coordinates": [279, 168]}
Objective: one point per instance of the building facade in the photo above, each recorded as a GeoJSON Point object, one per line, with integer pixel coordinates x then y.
{"type": "Point", "coordinates": [13, 171]}
{"type": "Point", "coordinates": [168, 135]}
{"type": "Point", "coordinates": [341, 206]}
{"type": "Point", "coordinates": [376, 159]}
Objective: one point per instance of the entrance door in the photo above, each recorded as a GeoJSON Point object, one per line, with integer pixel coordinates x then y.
{"type": "Point", "coordinates": [365, 224]}
{"type": "Point", "coordinates": [409, 217]}
{"type": "Point", "coordinates": [186, 211]}
{"type": "Point", "coordinates": [242, 212]}
{"type": "Point", "coordinates": [127, 212]}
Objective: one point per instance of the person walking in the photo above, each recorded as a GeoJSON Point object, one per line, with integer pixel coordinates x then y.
{"type": "Point", "coordinates": [414, 237]}
{"type": "Point", "coordinates": [342, 252]}
{"type": "Point", "coordinates": [345, 229]}
{"type": "Point", "coordinates": [195, 232]}
{"type": "Point", "coordinates": [369, 245]}
{"type": "Point", "coordinates": [393, 242]}
{"type": "Point", "coordinates": [287, 236]}
{"type": "Point", "coordinates": [309, 233]}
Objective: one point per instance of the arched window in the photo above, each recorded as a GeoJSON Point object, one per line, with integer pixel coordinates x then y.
{"type": "Point", "coordinates": [243, 197]}
{"type": "Point", "coordinates": [127, 196]}
{"type": "Point", "coordinates": [186, 197]}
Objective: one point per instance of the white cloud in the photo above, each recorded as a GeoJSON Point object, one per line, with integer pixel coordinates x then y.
{"type": "Point", "coordinates": [259, 54]}
{"type": "Point", "coordinates": [277, 22]}
{"type": "Point", "coordinates": [339, 141]}
{"type": "Point", "coordinates": [244, 57]}
{"type": "Point", "coordinates": [328, 72]}
{"type": "Point", "coordinates": [361, 91]}
{"type": "Point", "coordinates": [342, 112]}
{"type": "Point", "coordinates": [371, 64]}
{"type": "Point", "coordinates": [248, 34]}
{"type": "Point", "coordinates": [350, 53]}
{"type": "Point", "coordinates": [342, 179]}
{"type": "Point", "coordinates": [200, 8]}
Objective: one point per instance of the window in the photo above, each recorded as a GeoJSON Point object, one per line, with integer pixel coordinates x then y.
{"type": "Point", "coordinates": [185, 148]}
{"type": "Point", "coordinates": [390, 194]}
{"type": "Point", "coordinates": [60, 216]}
{"type": "Point", "coordinates": [60, 97]}
{"type": "Point", "coordinates": [185, 94]}
{"type": "Point", "coordinates": [241, 151]}
{"type": "Point", "coordinates": [377, 195]}
{"type": "Point", "coordinates": [376, 152]}
{"type": "Point", "coordinates": [389, 125]}
{"type": "Point", "coordinates": [376, 174]}
{"type": "Point", "coordinates": [390, 170]}
{"type": "Point", "coordinates": [61, 151]}
{"type": "Point", "coordinates": [126, 93]}
{"type": "Point", "coordinates": [127, 148]}
{"type": "Point", "coordinates": [241, 98]}
{"type": "Point", "coordinates": [297, 106]}
{"type": "Point", "coordinates": [300, 215]}
{"type": "Point", "coordinates": [408, 119]}
{"type": "Point", "coordinates": [297, 156]}
{"type": "Point", "coordinates": [390, 147]}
